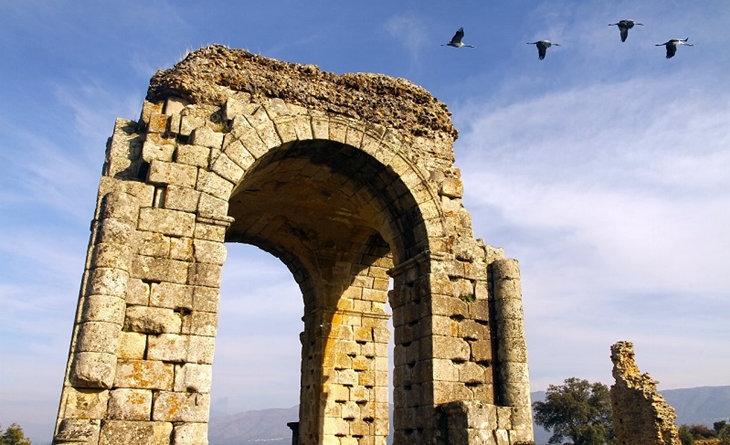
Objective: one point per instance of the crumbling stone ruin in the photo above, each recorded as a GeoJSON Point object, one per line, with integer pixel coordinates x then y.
{"type": "Point", "coordinates": [641, 416]}
{"type": "Point", "coordinates": [350, 181]}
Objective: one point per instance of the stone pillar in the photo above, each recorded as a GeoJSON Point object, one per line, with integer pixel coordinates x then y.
{"type": "Point", "coordinates": [513, 388]}
{"type": "Point", "coordinates": [641, 416]}
{"type": "Point", "coordinates": [99, 322]}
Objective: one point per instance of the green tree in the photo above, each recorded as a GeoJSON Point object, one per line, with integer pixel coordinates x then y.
{"type": "Point", "coordinates": [685, 436]}
{"type": "Point", "coordinates": [14, 436]}
{"type": "Point", "coordinates": [722, 428]}
{"type": "Point", "coordinates": [577, 410]}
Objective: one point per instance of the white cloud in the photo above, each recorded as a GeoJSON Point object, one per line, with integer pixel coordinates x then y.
{"type": "Point", "coordinates": [616, 201]}
{"type": "Point", "coordinates": [411, 32]}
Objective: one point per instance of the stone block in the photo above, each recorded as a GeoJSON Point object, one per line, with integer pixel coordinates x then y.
{"type": "Point", "coordinates": [237, 153]}
{"type": "Point", "coordinates": [105, 281]}
{"type": "Point", "coordinates": [200, 323]}
{"type": "Point", "coordinates": [92, 370]}
{"type": "Point", "coordinates": [152, 320]}
{"type": "Point", "coordinates": [114, 231]}
{"type": "Point", "coordinates": [116, 432]}
{"type": "Point", "coordinates": [181, 249]}
{"type": "Point", "coordinates": [166, 221]}
{"type": "Point", "coordinates": [190, 434]}
{"type": "Point", "coordinates": [206, 299]}
{"type": "Point", "coordinates": [472, 373]}
{"type": "Point", "coordinates": [104, 308]}
{"type": "Point", "coordinates": [83, 403]}
{"type": "Point", "coordinates": [181, 198]}
{"type": "Point", "coordinates": [286, 129]}
{"type": "Point", "coordinates": [171, 295]}
{"type": "Point", "coordinates": [170, 348]}
{"type": "Point", "coordinates": [481, 351]}
{"type": "Point", "coordinates": [452, 187]}
{"type": "Point", "coordinates": [209, 252]}
{"type": "Point", "coordinates": [78, 431]}
{"type": "Point", "coordinates": [162, 172]}
{"type": "Point", "coordinates": [132, 345]}
{"type": "Point", "coordinates": [242, 131]}
{"type": "Point", "coordinates": [195, 155]}
{"type": "Point", "coordinates": [214, 184]}
{"type": "Point", "coordinates": [442, 369]}
{"type": "Point", "coordinates": [192, 118]}
{"type": "Point", "coordinates": [159, 269]}
{"type": "Point", "coordinates": [152, 244]}
{"type": "Point", "coordinates": [97, 336]}
{"type": "Point", "coordinates": [201, 349]}
{"type": "Point", "coordinates": [130, 404]}
{"type": "Point", "coordinates": [227, 169]}
{"type": "Point", "coordinates": [211, 232]}
{"type": "Point", "coordinates": [144, 374]}
{"type": "Point", "coordinates": [157, 148]}
{"type": "Point", "coordinates": [205, 274]}
{"type": "Point", "coordinates": [119, 205]}
{"type": "Point", "coordinates": [450, 348]}
{"type": "Point", "coordinates": [112, 256]}
{"type": "Point", "coordinates": [206, 137]}
{"type": "Point", "coordinates": [211, 207]}
{"type": "Point", "coordinates": [337, 129]}
{"type": "Point", "coordinates": [471, 330]}
{"type": "Point", "coordinates": [138, 292]}
{"type": "Point", "coordinates": [512, 350]}
{"type": "Point", "coordinates": [264, 127]}
{"type": "Point", "coordinates": [192, 377]}
{"type": "Point", "coordinates": [181, 407]}
{"type": "Point", "coordinates": [174, 105]}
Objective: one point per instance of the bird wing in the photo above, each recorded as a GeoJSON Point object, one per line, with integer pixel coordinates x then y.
{"type": "Point", "coordinates": [457, 37]}
{"type": "Point", "coordinates": [624, 32]}
{"type": "Point", "coordinates": [541, 50]}
{"type": "Point", "coordinates": [671, 50]}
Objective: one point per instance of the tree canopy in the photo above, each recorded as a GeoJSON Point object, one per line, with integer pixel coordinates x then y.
{"type": "Point", "coordinates": [577, 410]}
{"type": "Point", "coordinates": [14, 435]}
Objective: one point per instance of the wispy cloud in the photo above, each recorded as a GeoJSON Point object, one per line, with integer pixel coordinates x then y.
{"type": "Point", "coordinates": [410, 31]}
{"type": "Point", "coordinates": [616, 209]}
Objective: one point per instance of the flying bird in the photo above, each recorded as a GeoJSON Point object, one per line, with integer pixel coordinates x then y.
{"type": "Point", "coordinates": [542, 46]}
{"type": "Point", "coordinates": [672, 46]}
{"type": "Point", "coordinates": [624, 26]}
{"type": "Point", "coordinates": [456, 40]}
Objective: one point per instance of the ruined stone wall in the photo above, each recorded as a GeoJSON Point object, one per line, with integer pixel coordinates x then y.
{"type": "Point", "coordinates": [349, 181]}
{"type": "Point", "coordinates": [641, 416]}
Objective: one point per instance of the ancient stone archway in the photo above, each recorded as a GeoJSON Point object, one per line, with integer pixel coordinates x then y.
{"type": "Point", "coordinates": [350, 181]}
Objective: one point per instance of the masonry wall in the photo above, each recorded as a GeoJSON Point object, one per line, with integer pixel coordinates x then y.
{"type": "Point", "coordinates": [349, 181]}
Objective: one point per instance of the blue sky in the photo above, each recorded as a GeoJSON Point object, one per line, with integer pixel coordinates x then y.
{"type": "Point", "coordinates": [603, 169]}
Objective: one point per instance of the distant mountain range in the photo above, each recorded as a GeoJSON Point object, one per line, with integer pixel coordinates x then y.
{"type": "Point", "coordinates": [702, 405]}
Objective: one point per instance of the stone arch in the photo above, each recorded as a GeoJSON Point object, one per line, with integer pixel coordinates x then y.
{"type": "Point", "coordinates": [349, 180]}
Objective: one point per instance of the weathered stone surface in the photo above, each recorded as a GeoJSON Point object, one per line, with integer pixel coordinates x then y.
{"type": "Point", "coordinates": [398, 103]}
{"type": "Point", "coordinates": [132, 345]}
{"type": "Point", "coordinates": [84, 403]}
{"type": "Point", "coordinates": [641, 416]}
{"type": "Point", "coordinates": [115, 432]}
{"type": "Point", "coordinates": [92, 370]}
{"type": "Point", "coordinates": [151, 320]}
{"type": "Point", "coordinates": [193, 378]}
{"type": "Point", "coordinates": [130, 404]}
{"type": "Point", "coordinates": [190, 434]}
{"type": "Point", "coordinates": [144, 374]}
{"type": "Point", "coordinates": [181, 407]}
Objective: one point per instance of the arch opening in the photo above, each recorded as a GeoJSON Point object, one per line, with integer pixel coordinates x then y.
{"type": "Point", "coordinates": [333, 215]}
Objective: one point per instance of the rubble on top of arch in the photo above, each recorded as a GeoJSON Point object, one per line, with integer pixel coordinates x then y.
{"type": "Point", "coordinates": [212, 74]}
